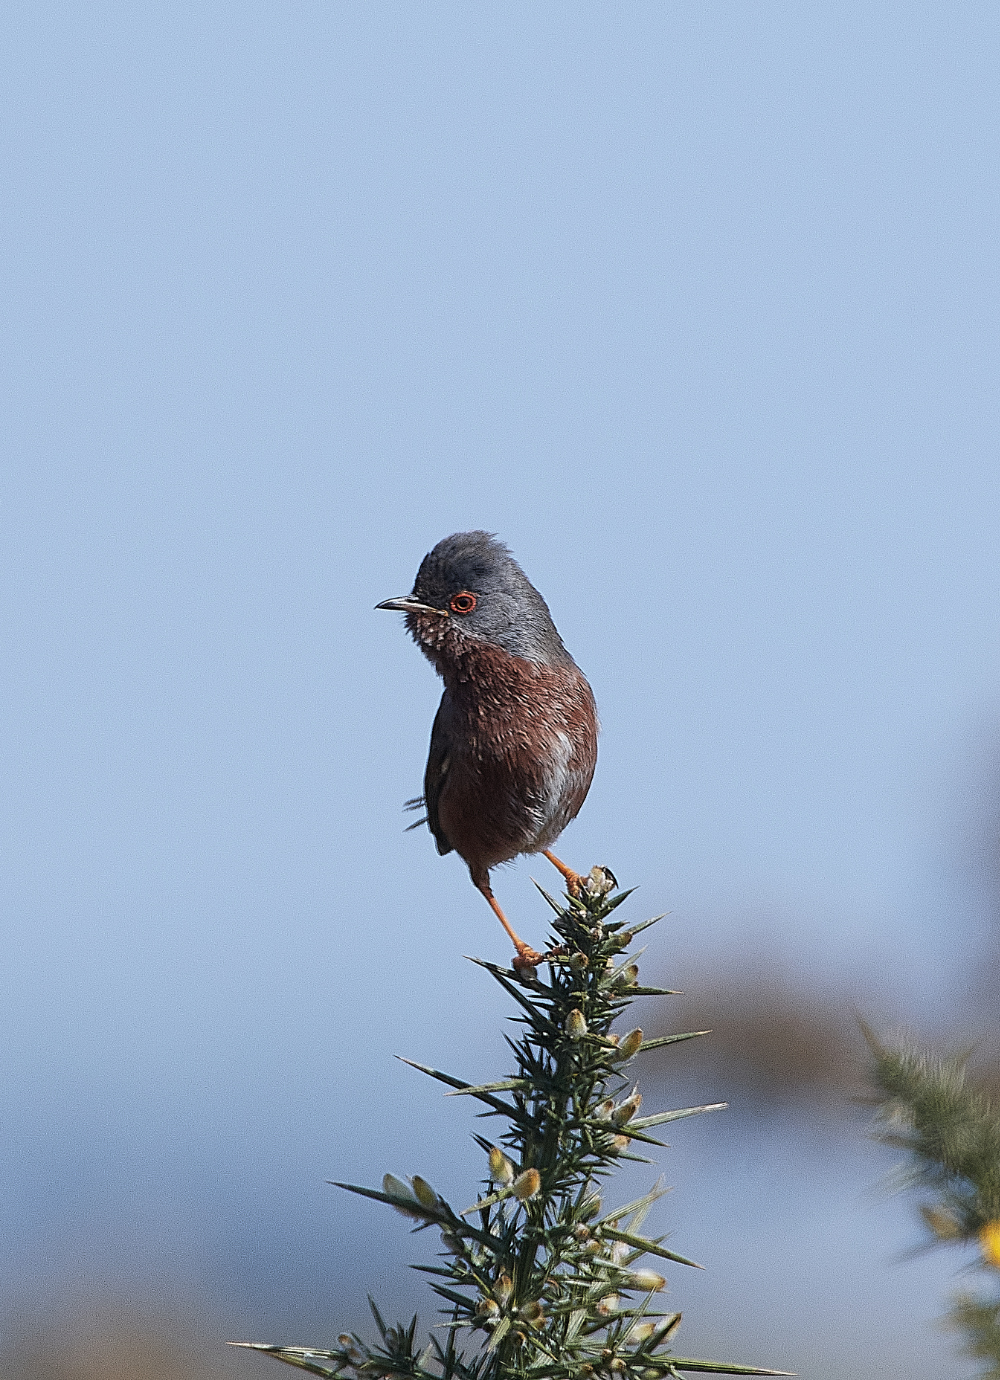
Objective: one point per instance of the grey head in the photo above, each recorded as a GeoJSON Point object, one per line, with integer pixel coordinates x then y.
{"type": "Point", "coordinates": [471, 580]}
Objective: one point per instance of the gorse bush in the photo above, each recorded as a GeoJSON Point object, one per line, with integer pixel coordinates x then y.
{"type": "Point", "coordinates": [951, 1135]}
{"type": "Point", "coordinates": [539, 1277]}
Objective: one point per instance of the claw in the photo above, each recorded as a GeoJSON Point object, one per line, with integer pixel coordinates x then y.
{"type": "Point", "coordinates": [525, 964]}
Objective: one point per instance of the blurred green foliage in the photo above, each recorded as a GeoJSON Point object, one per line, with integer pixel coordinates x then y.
{"type": "Point", "coordinates": [950, 1132]}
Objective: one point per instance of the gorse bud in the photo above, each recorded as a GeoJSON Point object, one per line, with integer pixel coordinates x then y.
{"type": "Point", "coordinates": [488, 1310]}
{"type": "Point", "coordinates": [600, 880]}
{"type": "Point", "coordinates": [579, 962]}
{"type": "Point", "coordinates": [533, 1313]}
{"type": "Point", "coordinates": [630, 1045]}
{"type": "Point", "coordinates": [501, 1169]}
{"type": "Point", "coordinates": [648, 1280]}
{"type": "Point", "coordinates": [354, 1353]}
{"type": "Point", "coordinates": [503, 1289]}
{"type": "Point", "coordinates": [526, 1185]}
{"type": "Point", "coordinates": [670, 1325]}
{"type": "Point", "coordinates": [942, 1223]}
{"type": "Point", "coordinates": [576, 1025]}
{"type": "Point", "coordinates": [604, 1109]}
{"type": "Point", "coordinates": [607, 1304]}
{"type": "Point", "coordinates": [397, 1189]}
{"type": "Point", "coordinates": [641, 1332]}
{"type": "Point", "coordinates": [423, 1192]}
{"type": "Point", "coordinates": [629, 975]}
{"type": "Point", "coordinates": [626, 1110]}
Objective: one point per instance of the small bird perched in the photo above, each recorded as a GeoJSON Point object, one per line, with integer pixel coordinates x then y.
{"type": "Point", "coordinates": [514, 742]}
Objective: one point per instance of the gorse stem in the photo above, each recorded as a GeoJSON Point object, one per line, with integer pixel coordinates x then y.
{"type": "Point", "coordinates": [538, 1277]}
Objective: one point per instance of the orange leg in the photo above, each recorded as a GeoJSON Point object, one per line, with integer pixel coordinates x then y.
{"type": "Point", "coordinates": [573, 879]}
{"type": "Point", "coordinates": [527, 957]}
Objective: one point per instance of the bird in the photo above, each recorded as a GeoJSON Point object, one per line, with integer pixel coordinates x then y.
{"type": "Point", "coordinates": [514, 742]}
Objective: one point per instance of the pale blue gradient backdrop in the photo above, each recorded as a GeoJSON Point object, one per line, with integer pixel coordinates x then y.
{"type": "Point", "coordinates": [696, 306]}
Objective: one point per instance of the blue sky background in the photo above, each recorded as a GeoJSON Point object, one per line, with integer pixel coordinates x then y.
{"type": "Point", "coordinates": [696, 306]}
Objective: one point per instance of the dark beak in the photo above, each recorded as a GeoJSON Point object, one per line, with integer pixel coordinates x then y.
{"type": "Point", "coordinates": [406, 603]}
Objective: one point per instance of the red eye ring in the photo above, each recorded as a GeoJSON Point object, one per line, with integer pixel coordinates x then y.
{"type": "Point", "coordinates": [462, 603]}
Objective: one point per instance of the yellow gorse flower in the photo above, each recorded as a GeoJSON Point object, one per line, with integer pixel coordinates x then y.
{"type": "Point", "coordinates": [989, 1243]}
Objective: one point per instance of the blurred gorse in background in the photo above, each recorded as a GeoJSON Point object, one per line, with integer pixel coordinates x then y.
{"type": "Point", "coordinates": [951, 1133]}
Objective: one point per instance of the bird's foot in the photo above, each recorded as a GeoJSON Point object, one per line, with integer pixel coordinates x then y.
{"type": "Point", "coordinates": [525, 962]}
{"type": "Point", "coordinates": [574, 882]}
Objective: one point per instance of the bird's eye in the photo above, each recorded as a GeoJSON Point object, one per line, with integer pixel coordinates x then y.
{"type": "Point", "coordinates": [463, 603]}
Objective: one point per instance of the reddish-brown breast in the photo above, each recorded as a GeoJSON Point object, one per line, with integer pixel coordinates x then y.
{"type": "Point", "coordinates": [522, 749]}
